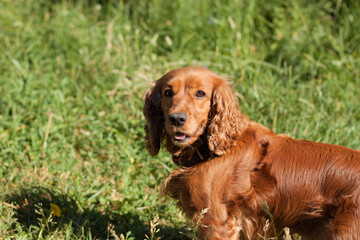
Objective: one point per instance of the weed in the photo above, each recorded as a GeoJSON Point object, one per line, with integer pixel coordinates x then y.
{"type": "Point", "coordinates": [154, 229]}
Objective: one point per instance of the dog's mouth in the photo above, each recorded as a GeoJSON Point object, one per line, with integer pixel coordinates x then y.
{"type": "Point", "coordinates": [181, 137]}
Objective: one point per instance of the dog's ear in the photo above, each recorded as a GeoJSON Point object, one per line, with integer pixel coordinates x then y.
{"type": "Point", "coordinates": [154, 128]}
{"type": "Point", "coordinates": [226, 120]}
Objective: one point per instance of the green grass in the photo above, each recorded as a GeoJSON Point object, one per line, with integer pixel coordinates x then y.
{"type": "Point", "coordinates": [87, 64]}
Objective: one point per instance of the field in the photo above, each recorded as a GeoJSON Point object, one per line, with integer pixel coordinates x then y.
{"type": "Point", "coordinates": [73, 75]}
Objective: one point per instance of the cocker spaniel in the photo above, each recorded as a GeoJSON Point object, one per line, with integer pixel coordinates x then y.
{"type": "Point", "coordinates": [241, 172]}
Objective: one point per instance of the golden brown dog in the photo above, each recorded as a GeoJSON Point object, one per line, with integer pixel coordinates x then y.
{"type": "Point", "coordinates": [244, 173]}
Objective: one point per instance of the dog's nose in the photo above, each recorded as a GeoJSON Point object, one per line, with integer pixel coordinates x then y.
{"type": "Point", "coordinates": [177, 119]}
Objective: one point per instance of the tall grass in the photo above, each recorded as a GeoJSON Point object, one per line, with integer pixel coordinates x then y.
{"type": "Point", "coordinates": [72, 77]}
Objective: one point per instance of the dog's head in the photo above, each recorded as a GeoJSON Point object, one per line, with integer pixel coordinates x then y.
{"type": "Point", "coordinates": [188, 102]}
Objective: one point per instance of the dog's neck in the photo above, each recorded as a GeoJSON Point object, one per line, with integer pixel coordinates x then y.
{"type": "Point", "coordinates": [192, 155]}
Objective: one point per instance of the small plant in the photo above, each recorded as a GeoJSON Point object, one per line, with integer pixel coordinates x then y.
{"type": "Point", "coordinates": [192, 229]}
{"type": "Point", "coordinates": [111, 231]}
{"type": "Point", "coordinates": [266, 228]}
{"type": "Point", "coordinates": [153, 229]}
{"type": "Point", "coordinates": [45, 222]}
{"type": "Point", "coordinates": [287, 235]}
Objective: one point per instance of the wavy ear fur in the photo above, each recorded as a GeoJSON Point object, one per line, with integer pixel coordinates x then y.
{"type": "Point", "coordinates": [154, 128]}
{"type": "Point", "coordinates": [226, 120]}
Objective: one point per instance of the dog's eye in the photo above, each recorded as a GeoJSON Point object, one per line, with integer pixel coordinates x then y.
{"type": "Point", "coordinates": [200, 94]}
{"type": "Point", "coordinates": [168, 93]}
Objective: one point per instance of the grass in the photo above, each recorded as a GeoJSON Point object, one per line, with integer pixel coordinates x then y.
{"type": "Point", "coordinates": [72, 78]}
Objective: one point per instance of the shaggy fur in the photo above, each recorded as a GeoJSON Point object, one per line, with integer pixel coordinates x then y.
{"type": "Point", "coordinates": [244, 173]}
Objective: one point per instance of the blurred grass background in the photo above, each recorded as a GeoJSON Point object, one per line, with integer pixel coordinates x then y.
{"type": "Point", "coordinates": [72, 78]}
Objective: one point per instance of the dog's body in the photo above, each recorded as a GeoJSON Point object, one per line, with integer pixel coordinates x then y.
{"type": "Point", "coordinates": [242, 172]}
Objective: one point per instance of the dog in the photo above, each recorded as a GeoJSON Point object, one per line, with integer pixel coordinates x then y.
{"type": "Point", "coordinates": [235, 173]}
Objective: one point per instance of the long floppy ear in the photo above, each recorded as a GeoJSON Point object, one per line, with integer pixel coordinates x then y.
{"type": "Point", "coordinates": [154, 128]}
{"type": "Point", "coordinates": [226, 120]}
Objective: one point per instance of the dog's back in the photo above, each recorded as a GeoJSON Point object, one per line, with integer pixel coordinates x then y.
{"type": "Point", "coordinates": [318, 187]}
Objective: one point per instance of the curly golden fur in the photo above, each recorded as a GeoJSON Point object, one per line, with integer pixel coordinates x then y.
{"type": "Point", "coordinates": [244, 173]}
